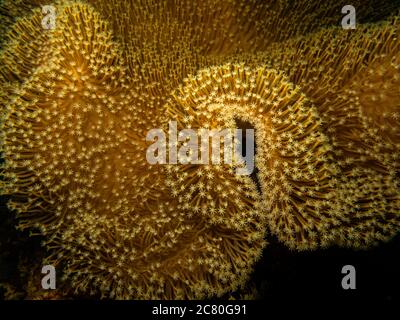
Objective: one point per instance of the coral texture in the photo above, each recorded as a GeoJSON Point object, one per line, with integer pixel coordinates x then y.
{"type": "Point", "coordinates": [78, 101]}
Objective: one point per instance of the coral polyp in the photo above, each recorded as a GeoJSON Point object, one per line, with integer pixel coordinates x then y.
{"type": "Point", "coordinates": [77, 103]}
{"type": "Point", "coordinates": [80, 177]}
{"type": "Point", "coordinates": [294, 157]}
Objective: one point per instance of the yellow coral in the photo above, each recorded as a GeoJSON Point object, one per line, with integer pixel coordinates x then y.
{"type": "Point", "coordinates": [83, 180]}
{"type": "Point", "coordinates": [293, 156]}
{"type": "Point", "coordinates": [77, 103]}
{"type": "Point", "coordinates": [341, 73]}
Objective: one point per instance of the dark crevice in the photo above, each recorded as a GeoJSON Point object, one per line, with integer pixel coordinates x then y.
{"type": "Point", "coordinates": [243, 125]}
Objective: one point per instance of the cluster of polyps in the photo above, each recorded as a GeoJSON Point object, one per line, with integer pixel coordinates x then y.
{"type": "Point", "coordinates": [76, 107]}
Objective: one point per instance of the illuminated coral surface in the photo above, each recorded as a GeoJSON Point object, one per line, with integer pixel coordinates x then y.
{"type": "Point", "coordinates": [78, 101]}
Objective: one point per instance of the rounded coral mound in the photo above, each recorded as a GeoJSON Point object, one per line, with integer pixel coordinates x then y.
{"type": "Point", "coordinates": [78, 101]}
{"type": "Point", "coordinates": [294, 160]}
{"type": "Point", "coordinates": [82, 178]}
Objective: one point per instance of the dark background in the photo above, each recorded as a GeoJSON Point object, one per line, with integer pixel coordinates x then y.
{"type": "Point", "coordinates": [288, 275]}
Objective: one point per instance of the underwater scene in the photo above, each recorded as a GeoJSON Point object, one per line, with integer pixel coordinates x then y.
{"type": "Point", "coordinates": [199, 150]}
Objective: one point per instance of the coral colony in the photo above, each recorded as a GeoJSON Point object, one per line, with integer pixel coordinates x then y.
{"type": "Point", "coordinates": [80, 96]}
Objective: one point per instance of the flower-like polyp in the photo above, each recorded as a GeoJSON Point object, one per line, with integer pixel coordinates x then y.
{"type": "Point", "coordinates": [77, 102]}
{"type": "Point", "coordinates": [294, 160]}
{"type": "Point", "coordinates": [78, 174]}
{"type": "Point", "coordinates": [350, 77]}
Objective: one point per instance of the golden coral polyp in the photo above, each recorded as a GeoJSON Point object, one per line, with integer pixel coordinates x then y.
{"type": "Point", "coordinates": [77, 102]}
{"type": "Point", "coordinates": [79, 175]}
{"type": "Point", "coordinates": [293, 155]}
